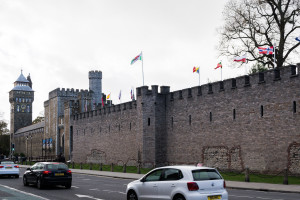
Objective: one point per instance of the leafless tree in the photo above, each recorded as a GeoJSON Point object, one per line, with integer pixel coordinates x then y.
{"type": "Point", "coordinates": [250, 24]}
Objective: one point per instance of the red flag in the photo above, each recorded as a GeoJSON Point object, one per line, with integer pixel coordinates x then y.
{"type": "Point", "coordinates": [102, 102]}
{"type": "Point", "coordinates": [240, 58]}
{"type": "Point", "coordinates": [219, 65]}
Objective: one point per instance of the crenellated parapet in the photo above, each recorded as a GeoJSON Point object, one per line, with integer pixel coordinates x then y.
{"type": "Point", "coordinates": [69, 93]}
{"type": "Point", "coordinates": [95, 74]}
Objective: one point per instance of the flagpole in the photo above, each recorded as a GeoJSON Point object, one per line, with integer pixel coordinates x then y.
{"type": "Point", "coordinates": [199, 76]}
{"type": "Point", "coordinates": [274, 54]}
{"type": "Point", "coordinates": [143, 67]}
{"type": "Point", "coordinates": [221, 69]}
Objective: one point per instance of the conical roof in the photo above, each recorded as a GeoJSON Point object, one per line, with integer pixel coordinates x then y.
{"type": "Point", "coordinates": [22, 84]}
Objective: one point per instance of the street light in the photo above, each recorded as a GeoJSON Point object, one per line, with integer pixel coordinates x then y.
{"type": "Point", "coordinates": [27, 147]}
{"type": "Point", "coordinates": [31, 146]}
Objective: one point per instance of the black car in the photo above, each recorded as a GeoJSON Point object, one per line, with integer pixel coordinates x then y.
{"type": "Point", "coordinates": [48, 173]}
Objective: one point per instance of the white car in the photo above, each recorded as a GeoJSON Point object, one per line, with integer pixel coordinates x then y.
{"type": "Point", "coordinates": [9, 168]}
{"type": "Point", "coordinates": [179, 183]}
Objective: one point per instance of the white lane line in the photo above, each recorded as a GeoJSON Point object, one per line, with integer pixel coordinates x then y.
{"type": "Point", "coordinates": [23, 192]}
{"type": "Point", "coordinates": [112, 191]}
{"type": "Point", "coordinates": [122, 192]}
{"type": "Point", "coordinates": [74, 187]}
{"type": "Point", "coordinates": [95, 189]}
{"type": "Point", "coordinates": [86, 179]}
{"type": "Point", "coordinates": [242, 196]}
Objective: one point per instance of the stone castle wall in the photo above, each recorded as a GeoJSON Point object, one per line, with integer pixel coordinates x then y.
{"type": "Point", "coordinates": [251, 121]}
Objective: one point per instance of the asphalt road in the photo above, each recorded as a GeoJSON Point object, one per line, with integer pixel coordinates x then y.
{"type": "Point", "coordinates": [88, 187]}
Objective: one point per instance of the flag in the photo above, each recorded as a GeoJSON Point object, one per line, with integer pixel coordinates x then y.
{"type": "Point", "coordinates": [102, 102]}
{"type": "Point", "coordinates": [108, 96]}
{"type": "Point", "coordinates": [120, 95]}
{"type": "Point", "coordinates": [240, 58]}
{"type": "Point", "coordinates": [132, 94]}
{"type": "Point", "coordinates": [219, 65]}
{"type": "Point", "coordinates": [196, 69]}
{"type": "Point", "coordinates": [139, 57]}
{"type": "Point", "coordinates": [298, 38]}
{"type": "Point", "coordinates": [267, 51]}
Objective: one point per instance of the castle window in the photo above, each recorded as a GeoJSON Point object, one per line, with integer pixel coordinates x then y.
{"type": "Point", "coordinates": [28, 108]}
{"type": "Point", "coordinates": [172, 121]}
{"type": "Point", "coordinates": [18, 108]}
{"type": "Point", "coordinates": [190, 119]}
{"type": "Point", "coordinates": [130, 126]}
{"type": "Point", "coordinates": [210, 116]}
{"type": "Point", "coordinates": [233, 113]}
{"type": "Point", "coordinates": [294, 107]}
{"type": "Point", "coordinates": [261, 111]}
{"type": "Point", "coordinates": [148, 121]}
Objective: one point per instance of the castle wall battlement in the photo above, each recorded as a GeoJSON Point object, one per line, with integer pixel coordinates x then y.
{"type": "Point", "coordinates": [95, 74]}
{"type": "Point", "coordinates": [269, 78]}
{"type": "Point", "coordinates": [68, 93]}
{"type": "Point", "coordinates": [106, 110]}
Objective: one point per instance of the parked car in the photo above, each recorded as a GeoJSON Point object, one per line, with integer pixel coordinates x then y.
{"type": "Point", "coordinates": [48, 173]}
{"type": "Point", "coordinates": [9, 168]}
{"type": "Point", "coordinates": [179, 183]}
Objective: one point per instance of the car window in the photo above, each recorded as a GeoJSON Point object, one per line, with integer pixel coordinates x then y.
{"type": "Point", "coordinates": [205, 174]}
{"type": "Point", "coordinates": [57, 166]}
{"type": "Point", "coordinates": [35, 166]}
{"type": "Point", "coordinates": [7, 162]}
{"type": "Point", "coordinates": [172, 174]}
{"type": "Point", "coordinates": [154, 176]}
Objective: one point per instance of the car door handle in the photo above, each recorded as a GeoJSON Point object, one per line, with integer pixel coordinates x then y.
{"type": "Point", "coordinates": [154, 185]}
{"type": "Point", "coordinates": [173, 185]}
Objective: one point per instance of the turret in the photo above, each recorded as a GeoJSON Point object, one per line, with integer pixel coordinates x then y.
{"type": "Point", "coordinates": [95, 85]}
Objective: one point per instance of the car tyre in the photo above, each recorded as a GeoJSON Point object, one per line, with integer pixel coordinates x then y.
{"type": "Point", "coordinates": [68, 185]}
{"type": "Point", "coordinates": [179, 197]}
{"type": "Point", "coordinates": [132, 195]}
{"type": "Point", "coordinates": [25, 183]}
{"type": "Point", "coordinates": [39, 184]}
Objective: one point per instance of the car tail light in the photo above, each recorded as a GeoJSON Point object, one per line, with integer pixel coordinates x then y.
{"type": "Point", "coordinates": [46, 172]}
{"type": "Point", "coordinates": [16, 166]}
{"type": "Point", "coordinates": [192, 186]}
{"type": "Point", "coordinates": [1, 166]}
{"type": "Point", "coordinates": [224, 184]}
{"type": "Point", "coordinates": [69, 172]}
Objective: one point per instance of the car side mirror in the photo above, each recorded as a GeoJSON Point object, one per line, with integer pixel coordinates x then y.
{"type": "Point", "coordinates": [143, 180]}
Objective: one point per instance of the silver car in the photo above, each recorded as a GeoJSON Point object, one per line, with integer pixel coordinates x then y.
{"type": "Point", "coordinates": [179, 183]}
{"type": "Point", "coordinates": [9, 168]}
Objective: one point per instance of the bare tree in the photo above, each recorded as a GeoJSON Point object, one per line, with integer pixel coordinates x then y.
{"type": "Point", "coordinates": [250, 24]}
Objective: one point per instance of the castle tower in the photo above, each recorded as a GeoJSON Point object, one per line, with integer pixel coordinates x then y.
{"type": "Point", "coordinates": [95, 85]}
{"type": "Point", "coordinates": [21, 98]}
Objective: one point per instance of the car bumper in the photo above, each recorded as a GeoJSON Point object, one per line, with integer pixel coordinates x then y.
{"type": "Point", "coordinates": [9, 172]}
{"type": "Point", "coordinates": [202, 196]}
{"type": "Point", "coordinates": [56, 180]}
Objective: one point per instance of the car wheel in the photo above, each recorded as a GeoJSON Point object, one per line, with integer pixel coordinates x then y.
{"type": "Point", "coordinates": [25, 183]}
{"type": "Point", "coordinates": [39, 184]}
{"type": "Point", "coordinates": [132, 195]}
{"type": "Point", "coordinates": [179, 197]}
{"type": "Point", "coordinates": [68, 185]}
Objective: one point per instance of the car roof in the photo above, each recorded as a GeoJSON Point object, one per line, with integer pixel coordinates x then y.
{"type": "Point", "coordinates": [185, 167]}
{"type": "Point", "coordinates": [47, 163]}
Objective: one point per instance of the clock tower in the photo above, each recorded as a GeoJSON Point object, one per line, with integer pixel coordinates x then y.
{"type": "Point", "coordinates": [21, 98]}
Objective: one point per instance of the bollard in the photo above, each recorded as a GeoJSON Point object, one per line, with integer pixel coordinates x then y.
{"type": "Point", "coordinates": [100, 167]}
{"type": "Point", "coordinates": [91, 166]}
{"type": "Point", "coordinates": [73, 164]}
{"type": "Point", "coordinates": [139, 169]}
{"type": "Point", "coordinates": [285, 178]}
{"type": "Point", "coordinates": [124, 168]}
{"type": "Point", "coordinates": [80, 165]}
{"type": "Point", "coordinates": [247, 178]}
{"type": "Point", "coordinates": [112, 167]}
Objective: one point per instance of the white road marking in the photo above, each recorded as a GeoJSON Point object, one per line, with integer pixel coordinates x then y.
{"type": "Point", "coordinates": [242, 196]}
{"type": "Point", "coordinates": [74, 187]}
{"type": "Point", "coordinates": [23, 192]}
{"type": "Point", "coordinates": [86, 179]}
{"type": "Point", "coordinates": [87, 196]}
{"type": "Point", "coordinates": [95, 189]}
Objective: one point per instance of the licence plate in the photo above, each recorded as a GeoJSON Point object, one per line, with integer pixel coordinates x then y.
{"type": "Point", "coordinates": [214, 197]}
{"type": "Point", "coordinates": [8, 167]}
{"type": "Point", "coordinates": [59, 174]}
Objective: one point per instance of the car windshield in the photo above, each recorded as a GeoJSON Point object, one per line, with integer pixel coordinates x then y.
{"type": "Point", "coordinates": [205, 174]}
{"type": "Point", "coordinates": [7, 162]}
{"type": "Point", "coordinates": [57, 166]}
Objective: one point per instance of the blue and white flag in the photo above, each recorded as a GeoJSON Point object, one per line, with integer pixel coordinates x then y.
{"type": "Point", "coordinates": [298, 38]}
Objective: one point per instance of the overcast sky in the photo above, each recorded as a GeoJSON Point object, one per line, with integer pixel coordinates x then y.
{"type": "Point", "coordinates": [59, 41]}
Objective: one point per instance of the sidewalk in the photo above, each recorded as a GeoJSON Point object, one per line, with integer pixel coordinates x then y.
{"type": "Point", "coordinates": [229, 184]}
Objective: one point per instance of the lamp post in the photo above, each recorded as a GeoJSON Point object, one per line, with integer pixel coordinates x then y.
{"type": "Point", "coordinates": [31, 147]}
{"type": "Point", "coordinates": [27, 147]}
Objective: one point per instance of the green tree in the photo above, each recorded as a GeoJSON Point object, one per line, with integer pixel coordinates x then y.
{"type": "Point", "coordinates": [257, 68]}
{"type": "Point", "coordinates": [3, 128]}
{"type": "Point", "coordinates": [250, 24]}
{"type": "Point", "coordinates": [38, 119]}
